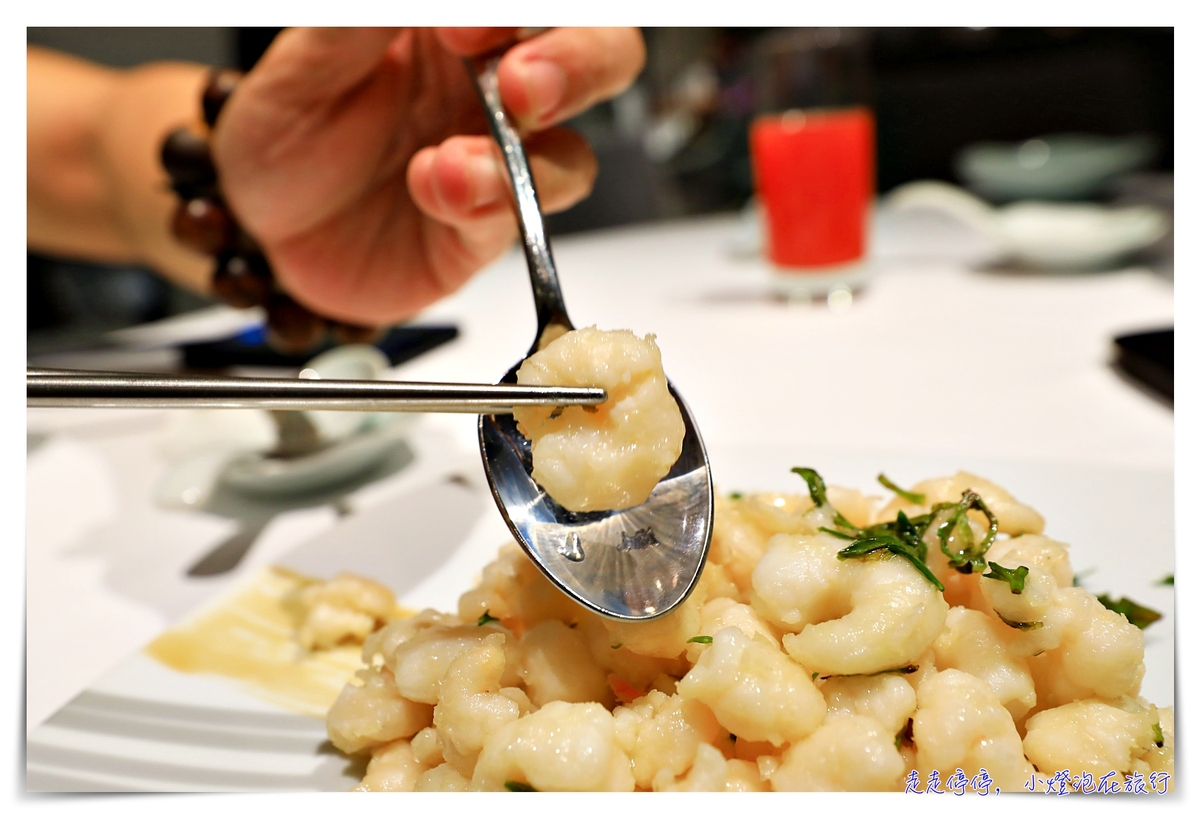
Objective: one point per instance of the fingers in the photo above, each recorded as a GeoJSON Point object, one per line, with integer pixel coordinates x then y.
{"type": "Point", "coordinates": [466, 42]}
{"type": "Point", "coordinates": [557, 74]}
{"type": "Point", "coordinates": [318, 64]}
{"type": "Point", "coordinates": [463, 183]}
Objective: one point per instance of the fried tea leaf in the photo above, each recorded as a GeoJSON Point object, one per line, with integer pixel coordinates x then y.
{"type": "Point", "coordinates": [903, 669]}
{"type": "Point", "coordinates": [1169, 579]}
{"type": "Point", "coordinates": [1158, 736]}
{"type": "Point", "coordinates": [908, 531]}
{"type": "Point", "coordinates": [486, 618]}
{"type": "Point", "coordinates": [703, 640]}
{"type": "Point", "coordinates": [1021, 626]}
{"type": "Point", "coordinates": [868, 545]}
{"type": "Point", "coordinates": [968, 558]}
{"type": "Point", "coordinates": [816, 486]}
{"type": "Point", "coordinates": [816, 490]}
{"type": "Point", "coordinates": [517, 786]}
{"type": "Point", "coordinates": [1138, 615]}
{"type": "Point", "coordinates": [903, 536]}
{"type": "Point", "coordinates": [1015, 577]}
{"type": "Point", "coordinates": [911, 496]}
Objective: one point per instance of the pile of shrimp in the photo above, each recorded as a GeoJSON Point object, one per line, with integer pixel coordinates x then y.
{"type": "Point", "coordinates": [786, 669]}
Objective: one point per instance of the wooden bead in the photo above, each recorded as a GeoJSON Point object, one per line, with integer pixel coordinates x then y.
{"type": "Point", "coordinates": [221, 84]}
{"type": "Point", "coordinates": [203, 224]}
{"type": "Point", "coordinates": [242, 281]}
{"type": "Point", "coordinates": [292, 328]}
{"type": "Point", "coordinates": [188, 160]}
{"type": "Point", "coordinates": [243, 243]}
{"type": "Point", "coordinates": [354, 333]}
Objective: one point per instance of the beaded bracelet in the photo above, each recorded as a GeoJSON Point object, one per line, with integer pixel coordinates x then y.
{"type": "Point", "coordinates": [242, 276]}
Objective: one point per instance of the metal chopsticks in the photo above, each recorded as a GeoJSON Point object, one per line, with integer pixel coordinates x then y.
{"type": "Point", "coordinates": [49, 387]}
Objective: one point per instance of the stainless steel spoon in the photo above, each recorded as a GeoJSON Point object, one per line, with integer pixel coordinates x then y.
{"type": "Point", "coordinates": [637, 563]}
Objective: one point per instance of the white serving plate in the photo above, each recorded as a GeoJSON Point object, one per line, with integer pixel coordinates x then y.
{"type": "Point", "coordinates": [143, 726]}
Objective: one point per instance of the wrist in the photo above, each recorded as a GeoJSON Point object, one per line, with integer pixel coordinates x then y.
{"type": "Point", "coordinates": [142, 105]}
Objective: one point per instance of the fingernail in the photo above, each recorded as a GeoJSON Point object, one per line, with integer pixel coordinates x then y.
{"type": "Point", "coordinates": [483, 172]}
{"type": "Point", "coordinates": [545, 86]}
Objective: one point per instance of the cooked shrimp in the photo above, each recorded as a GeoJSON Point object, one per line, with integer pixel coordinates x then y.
{"type": "Point", "coordinates": [609, 456]}
{"type": "Point", "coordinates": [754, 690]}
{"type": "Point", "coordinates": [847, 616]}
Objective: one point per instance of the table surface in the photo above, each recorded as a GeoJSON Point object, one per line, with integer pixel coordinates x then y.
{"type": "Point", "coordinates": [939, 354]}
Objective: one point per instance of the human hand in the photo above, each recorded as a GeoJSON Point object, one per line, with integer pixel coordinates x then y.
{"type": "Point", "coordinates": [359, 160]}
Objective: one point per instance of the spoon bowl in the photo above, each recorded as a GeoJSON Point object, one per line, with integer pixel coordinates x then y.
{"type": "Point", "coordinates": [636, 563]}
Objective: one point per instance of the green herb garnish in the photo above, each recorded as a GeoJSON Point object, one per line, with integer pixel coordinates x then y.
{"type": "Point", "coordinates": [815, 675]}
{"type": "Point", "coordinates": [1015, 578]}
{"type": "Point", "coordinates": [1158, 736]}
{"type": "Point", "coordinates": [1169, 579]}
{"type": "Point", "coordinates": [911, 496]}
{"type": "Point", "coordinates": [1138, 615]}
{"type": "Point", "coordinates": [735, 495]}
{"type": "Point", "coordinates": [905, 536]}
{"type": "Point", "coordinates": [486, 618]}
{"type": "Point", "coordinates": [703, 640]}
{"type": "Point", "coordinates": [517, 786]}
{"type": "Point", "coordinates": [816, 486]}
{"type": "Point", "coordinates": [816, 490]}
{"type": "Point", "coordinates": [968, 558]}
{"type": "Point", "coordinates": [908, 531]}
{"type": "Point", "coordinates": [905, 669]}
{"type": "Point", "coordinates": [868, 545]}
{"type": "Point", "coordinates": [1021, 626]}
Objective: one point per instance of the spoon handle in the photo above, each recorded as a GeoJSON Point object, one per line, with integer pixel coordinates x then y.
{"type": "Point", "coordinates": [547, 294]}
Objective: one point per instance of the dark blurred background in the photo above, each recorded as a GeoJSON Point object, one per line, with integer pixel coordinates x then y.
{"type": "Point", "coordinates": [675, 144]}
